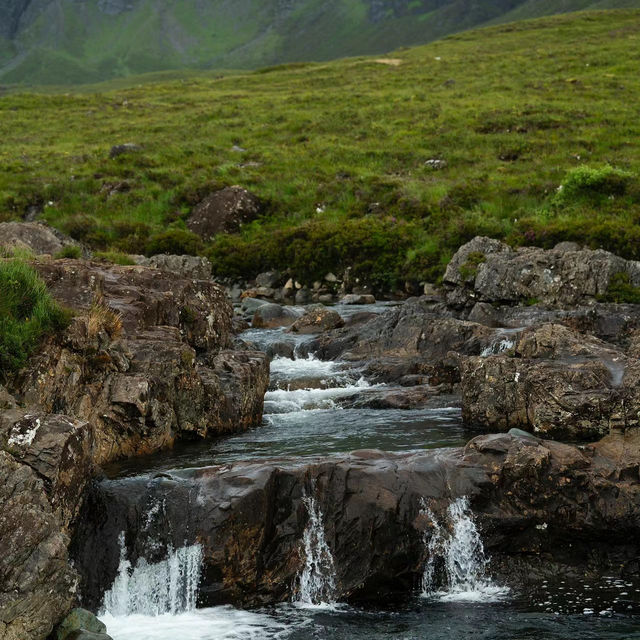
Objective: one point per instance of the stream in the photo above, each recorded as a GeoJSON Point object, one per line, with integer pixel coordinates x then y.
{"type": "Point", "coordinates": [316, 408]}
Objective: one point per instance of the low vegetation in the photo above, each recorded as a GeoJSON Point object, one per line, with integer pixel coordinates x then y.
{"type": "Point", "coordinates": [385, 168]}
{"type": "Point", "coordinates": [27, 314]}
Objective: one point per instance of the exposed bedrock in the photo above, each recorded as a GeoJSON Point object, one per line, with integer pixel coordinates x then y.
{"type": "Point", "coordinates": [250, 517]}
{"type": "Point", "coordinates": [490, 271]}
{"type": "Point", "coordinates": [146, 359]}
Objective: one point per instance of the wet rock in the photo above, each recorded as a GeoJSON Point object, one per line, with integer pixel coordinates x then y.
{"type": "Point", "coordinates": [270, 316]}
{"type": "Point", "coordinates": [37, 237]}
{"type": "Point", "coordinates": [317, 319]}
{"type": "Point", "coordinates": [121, 149]}
{"type": "Point", "coordinates": [271, 279]}
{"type": "Point", "coordinates": [418, 328]}
{"type": "Point", "coordinates": [302, 296]}
{"type": "Point", "coordinates": [487, 270]}
{"type": "Point", "coordinates": [251, 305]}
{"type": "Point", "coordinates": [239, 324]}
{"type": "Point", "coordinates": [79, 620]}
{"type": "Point", "coordinates": [373, 514]}
{"type": "Point", "coordinates": [37, 585]}
{"type": "Point", "coordinates": [355, 298]}
{"type": "Point", "coordinates": [224, 211]}
{"type": "Point", "coordinates": [190, 267]}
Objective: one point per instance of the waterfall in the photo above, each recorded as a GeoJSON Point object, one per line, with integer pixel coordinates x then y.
{"type": "Point", "coordinates": [498, 345]}
{"type": "Point", "coordinates": [169, 586]}
{"type": "Point", "coordinates": [456, 562]}
{"type": "Point", "coordinates": [316, 583]}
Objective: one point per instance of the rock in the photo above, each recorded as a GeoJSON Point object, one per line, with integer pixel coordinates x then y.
{"type": "Point", "coordinates": [414, 329]}
{"type": "Point", "coordinates": [325, 298]}
{"type": "Point", "coordinates": [239, 324]}
{"type": "Point", "coordinates": [270, 316]}
{"type": "Point", "coordinates": [567, 246]}
{"type": "Point", "coordinates": [37, 237]}
{"type": "Point", "coordinates": [87, 635]}
{"type": "Point", "coordinates": [259, 292]}
{"type": "Point", "coordinates": [271, 279]}
{"type": "Point", "coordinates": [251, 305]}
{"type": "Point", "coordinates": [127, 147]}
{"type": "Point", "coordinates": [485, 314]}
{"type": "Point", "coordinates": [354, 298]}
{"type": "Point", "coordinates": [38, 585]}
{"type": "Point", "coordinates": [224, 211]}
{"type": "Point", "coordinates": [250, 517]}
{"type": "Point", "coordinates": [192, 267]}
{"type": "Point", "coordinates": [156, 381]}
{"type": "Point", "coordinates": [330, 277]}
{"type": "Point", "coordinates": [303, 296]}
{"type": "Point", "coordinates": [79, 620]}
{"type": "Point", "coordinates": [487, 270]}
{"type": "Point", "coordinates": [317, 319]}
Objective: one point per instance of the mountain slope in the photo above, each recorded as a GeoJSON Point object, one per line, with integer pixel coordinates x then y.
{"type": "Point", "coordinates": [73, 41]}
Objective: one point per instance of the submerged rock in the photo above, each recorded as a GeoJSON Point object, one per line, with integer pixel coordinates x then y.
{"type": "Point", "coordinates": [79, 622]}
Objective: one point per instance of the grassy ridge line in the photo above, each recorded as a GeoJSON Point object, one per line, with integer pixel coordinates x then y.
{"type": "Point", "coordinates": [70, 42]}
{"type": "Point", "coordinates": [340, 151]}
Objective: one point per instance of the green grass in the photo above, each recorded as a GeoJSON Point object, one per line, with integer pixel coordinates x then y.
{"type": "Point", "coordinates": [27, 313]}
{"type": "Point", "coordinates": [339, 153]}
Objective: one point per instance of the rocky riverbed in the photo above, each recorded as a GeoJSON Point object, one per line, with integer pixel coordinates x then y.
{"type": "Point", "coordinates": [482, 439]}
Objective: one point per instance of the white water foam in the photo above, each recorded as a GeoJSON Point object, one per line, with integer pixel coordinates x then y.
{"type": "Point", "coordinates": [153, 589]}
{"type": "Point", "coordinates": [497, 346]}
{"type": "Point", "coordinates": [456, 562]}
{"type": "Point", "coordinates": [317, 582]}
{"type": "Point", "coordinates": [216, 623]}
{"type": "Point", "coordinates": [284, 401]}
{"type": "Point", "coordinates": [309, 366]}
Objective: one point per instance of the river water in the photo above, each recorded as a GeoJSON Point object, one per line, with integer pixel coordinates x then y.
{"type": "Point", "coordinates": [320, 408]}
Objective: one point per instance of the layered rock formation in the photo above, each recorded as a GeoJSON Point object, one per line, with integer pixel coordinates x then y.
{"type": "Point", "coordinates": [250, 517]}
{"type": "Point", "coordinates": [146, 360]}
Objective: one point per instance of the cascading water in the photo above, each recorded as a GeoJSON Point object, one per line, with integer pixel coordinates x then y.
{"type": "Point", "coordinates": [169, 586]}
{"type": "Point", "coordinates": [317, 583]}
{"type": "Point", "coordinates": [456, 562]}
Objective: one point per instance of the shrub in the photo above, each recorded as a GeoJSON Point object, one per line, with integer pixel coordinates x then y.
{"type": "Point", "coordinates": [621, 289]}
{"type": "Point", "coordinates": [115, 257]}
{"type": "Point", "coordinates": [593, 185]}
{"type": "Point", "coordinates": [70, 251]}
{"type": "Point", "coordinates": [174, 241]}
{"type": "Point", "coordinates": [27, 313]}
{"type": "Point", "coordinates": [469, 269]}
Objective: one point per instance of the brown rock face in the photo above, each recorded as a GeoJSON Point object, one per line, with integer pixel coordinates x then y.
{"type": "Point", "coordinates": [224, 211]}
{"type": "Point", "coordinates": [250, 517]}
{"type": "Point", "coordinates": [162, 377]}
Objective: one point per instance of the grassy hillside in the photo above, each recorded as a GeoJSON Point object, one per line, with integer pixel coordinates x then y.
{"type": "Point", "coordinates": [389, 167]}
{"type": "Point", "coordinates": [69, 42]}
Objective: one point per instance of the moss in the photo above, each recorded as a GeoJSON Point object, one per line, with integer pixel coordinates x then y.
{"type": "Point", "coordinates": [469, 269]}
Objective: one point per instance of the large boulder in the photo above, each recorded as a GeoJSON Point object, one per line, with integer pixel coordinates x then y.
{"type": "Point", "coordinates": [37, 237]}
{"type": "Point", "coordinates": [224, 211]}
{"type": "Point", "coordinates": [486, 270]}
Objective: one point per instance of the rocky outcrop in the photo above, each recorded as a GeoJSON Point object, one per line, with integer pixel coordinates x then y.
{"type": "Point", "coordinates": [486, 270]}
{"type": "Point", "coordinates": [146, 360]}
{"type": "Point", "coordinates": [147, 363]}
{"type": "Point", "coordinates": [552, 381]}
{"type": "Point", "coordinates": [224, 211]}
{"type": "Point", "coordinates": [37, 237]}
{"type": "Point", "coordinates": [250, 517]}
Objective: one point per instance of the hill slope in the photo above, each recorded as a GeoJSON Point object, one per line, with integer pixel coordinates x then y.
{"type": "Point", "coordinates": [66, 41]}
{"type": "Point", "coordinates": [384, 167]}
